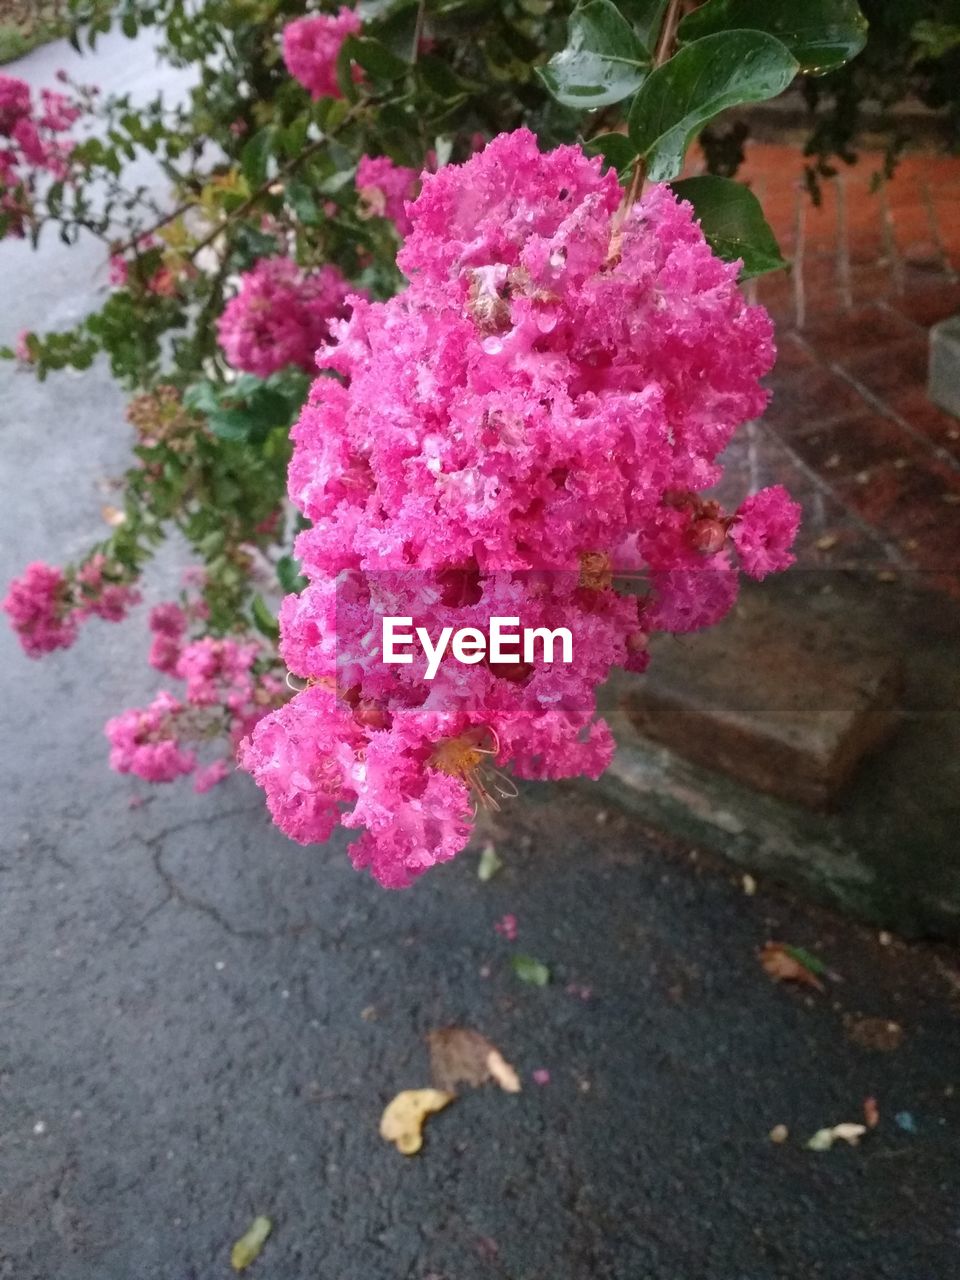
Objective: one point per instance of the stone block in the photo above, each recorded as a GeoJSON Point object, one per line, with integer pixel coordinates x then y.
{"type": "Point", "coordinates": [779, 702]}
{"type": "Point", "coordinates": [944, 378]}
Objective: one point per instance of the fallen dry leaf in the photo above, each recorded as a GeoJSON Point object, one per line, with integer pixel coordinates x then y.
{"type": "Point", "coordinates": [879, 1034]}
{"type": "Point", "coordinates": [247, 1249]}
{"type": "Point", "coordinates": [404, 1117]}
{"type": "Point", "coordinates": [779, 1133]}
{"type": "Point", "coordinates": [871, 1112]}
{"type": "Point", "coordinates": [783, 964]}
{"type": "Point", "coordinates": [459, 1055]}
{"type": "Point", "coordinates": [824, 1139]}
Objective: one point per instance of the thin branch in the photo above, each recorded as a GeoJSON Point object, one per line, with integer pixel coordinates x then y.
{"type": "Point", "coordinates": [418, 31]}
{"type": "Point", "coordinates": [664, 49]}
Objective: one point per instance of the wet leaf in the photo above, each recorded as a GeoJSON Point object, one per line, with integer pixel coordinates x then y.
{"type": "Point", "coordinates": [824, 1139]}
{"type": "Point", "coordinates": [248, 1247]}
{"type": "Point", "coordinates": [880, 1035]}
{"type": "Point", "coordinates": [784, 964]}
{"type": "Point", "coordinates": [405, 1115]}
{"type": "Point", "coordinates": [779, 1134]}
{"type": "Point", "coordinates": [871, 1112]}
{"type": "Point", "coordinates": [529, 970]}
{"type": "Point", "coordinates": [459, 1055]}
{"type": "Point", "coordinates": [490, 862]}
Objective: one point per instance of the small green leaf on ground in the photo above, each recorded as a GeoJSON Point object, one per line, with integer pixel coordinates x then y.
{"type": "Point", "coordinates": [732, 220]}
{"type": "Point", "coordinates": [529, 970]}
{"type": "Point", "coordinates": [490, 862]}
{"type": "Point", "coordinates": [247, 1249]}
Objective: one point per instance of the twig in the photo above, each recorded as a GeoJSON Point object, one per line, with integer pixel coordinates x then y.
{"type": "Point", "coordinates": [418, 31]}
{"type": "Point", "coordinates": [665, 43]}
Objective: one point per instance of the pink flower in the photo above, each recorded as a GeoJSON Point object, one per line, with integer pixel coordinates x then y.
{"type": "Point", "coordinates": [507, 927]}
{"type": "Point", "coordinates": [101, 591]}
{"type": "Point", "coordinates": [281, 315]}
{"type": "Point", "coordinates": [144, 741]}
{"type": "Point", "coordinates": [530, 423]}
{"type": "Point", "coordinates": [38, 605]}
{"type": "Point", "coordinates": [764, 531]}
{"type": "Point", "coordinates": [210, 775]}
{"type": "Point", "coordinates": [385, 188]}
{"type": "Point", "coordinates": [311, 47]}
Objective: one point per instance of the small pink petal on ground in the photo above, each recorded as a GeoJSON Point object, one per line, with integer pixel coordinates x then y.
{"type": "Point", "coordinates": [541, 1076]}
{"type": "Point", "coordinates": [507, 927]}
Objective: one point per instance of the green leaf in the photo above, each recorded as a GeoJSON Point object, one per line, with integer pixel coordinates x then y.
{"type": "Point", "coordinates": [265, 621]}
{"type": "Point", "coordinates": [603, 62]}
{"type": "Point", "coordinates": [490, 863]}
{"type": "Point", "coordinates": [806, 958]}
{"type": "Point", "coordinates": [700, 81]}
{"type": "Point", "coordinates": [255, 156]}
{"type": "Point", "coordinates": [616, 148]}
{"type": "Point", "coordinates": [646, 16]}
{"type": "Point", "coordinates": [821, 34]}
{"type": "Point", "coordinates": [732, 221]}
{"type": "Point", "coordinates": [376, 58]}
{"type": "Point", "coordinates": [248, 1247]}
{"type": "Point", "coordinates": [289, 575]}
{"type": "Point", "coordinates": [529, 970]}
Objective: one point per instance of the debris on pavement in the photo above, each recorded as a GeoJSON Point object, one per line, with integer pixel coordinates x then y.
{"type": "Point", "coordinates": [405, 1115]}
{"type": "Point", "coordinates": [529, 970]}
{"type": "Point", "coordinates": [824, 1139]}
{"type": "Point", "coordinates": [541, 1076]}
{"type": "Point", "coordinates": [784, 963]}
{"type": "Point", "coordinates": [779, 1133]}
{"type": "Point", "coordinates": [247, 1249]}
{"type": "Point", "coordinates": [880, 1034]}
{"type": "Point", "coordinates": [749, 885]}
{"type": "Point", "coordinates": [904, 1120]}
{"type": "Point", "coordinates": [490, 862]}
{"type": "Point", "coordinates": [459, 1055]}
{"type": "Point", "coordinates": [506, 926]}
{"type": "Point", "coordinates": [871, 1112]}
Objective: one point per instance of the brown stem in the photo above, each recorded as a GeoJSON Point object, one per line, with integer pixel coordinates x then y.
{"type": "Point", "coordinates": [284, 171]}
{"type": "Point", "coordinates": [665, 43]}
{"type": "Point", "coordinates": [418, 31]}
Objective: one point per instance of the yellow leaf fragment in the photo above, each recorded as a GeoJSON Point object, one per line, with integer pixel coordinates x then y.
{"type": "Point", "coordinates": [824, 1139]}
{"type": "Point", "coordinates": [403, 1118]}
{"type": "Point", "coordinates": [501, 1070]}
{"type": "Point", "coordinates": [247, 1249]}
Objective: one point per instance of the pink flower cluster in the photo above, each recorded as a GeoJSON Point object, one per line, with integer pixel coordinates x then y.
{"type": "Point", "coordinates": [312, 45]}
{"type": "Point", "coordinates": [525, 432]}
{"type": "Point", "coordinates": [30, 144]}
{"type": "Point", "coordinates": [280, 315]}
{"type": "Point", "coordinates": [46, 605]}
{"type": "Point", "coordinates": [161, 282]}
{"type": "Point", "coordinates": [227, 691]}
{"type": "Point", "coordinates": [384, 189]}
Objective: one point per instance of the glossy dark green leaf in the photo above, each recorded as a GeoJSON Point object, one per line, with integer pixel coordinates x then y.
{"type": "Point", "coordinates": [603, 62]}
{"type": "Point", "coordinates": [616, 148]}
{"type": "Point", "coordinates": [699, 81]}
{"type": "Point", "coordinates": [376, 59]}
{"type": "Point", "coordinates": [289, 575]}
{"type": "Point", "coordinates": [821, 34]}
{"type": "Point", "coordinates": [732, 221]}
{"type": "Point", "coordinates": [647, 17]}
